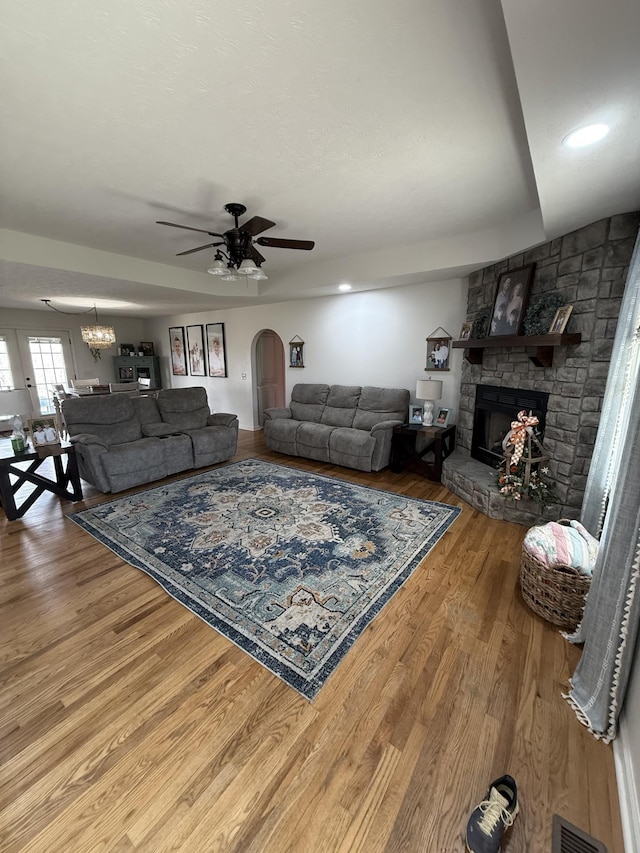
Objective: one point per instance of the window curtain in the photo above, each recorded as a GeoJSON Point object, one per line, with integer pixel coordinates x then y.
{"type": "Point", "coordinates": [611, 510]}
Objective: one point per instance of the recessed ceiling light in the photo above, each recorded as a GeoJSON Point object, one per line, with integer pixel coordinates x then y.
{"type": "Point", "coordinates": [586, 135]}
{"type": "Point", "coordinates": [344, 287]}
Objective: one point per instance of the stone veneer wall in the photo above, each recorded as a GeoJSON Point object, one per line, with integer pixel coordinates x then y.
{"type": "Point", "coordinates": [588, 268]}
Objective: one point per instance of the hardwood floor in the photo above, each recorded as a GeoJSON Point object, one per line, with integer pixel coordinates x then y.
{"type": "Point", "coordinates": [127, 724]}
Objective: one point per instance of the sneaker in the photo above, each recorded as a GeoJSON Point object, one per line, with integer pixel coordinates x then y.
{"type": "Point", "coordinates": [493, 817]}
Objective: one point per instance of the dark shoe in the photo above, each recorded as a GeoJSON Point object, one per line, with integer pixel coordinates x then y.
{"type": "Point", "coordinates": [493, 817]}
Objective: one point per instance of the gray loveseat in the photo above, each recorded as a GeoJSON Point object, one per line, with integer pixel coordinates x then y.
{"type": "Point", "coordinates": [343, 424]}
{"type": "Point", "coordinates": [125, 441]}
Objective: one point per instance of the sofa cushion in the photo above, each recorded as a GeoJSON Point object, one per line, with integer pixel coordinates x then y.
{"type": "Point", "coordinates": [186, 408]}
{"type": "Point", "coordinates": [313, 435]}
{"type": "Point", "coordinates": [351, 447]}
{"type": "Point", "coordinates": [146, 408]}
{"type": "Point", "coordinates": [134, 456]}
{"type": "Point", "coordinates": [111, 417]}
{"type": "Point", "coordinates": [308, 401]}
{"type": "Point", "coordinates": [340, 408]}
{"type": "Point", "coordinates": [381, 404]}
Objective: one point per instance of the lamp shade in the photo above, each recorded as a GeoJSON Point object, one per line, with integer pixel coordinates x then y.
{"type": "Point", "coordinates": [16, 402]}
{"type": "Point", "coordinates": [429, 389]}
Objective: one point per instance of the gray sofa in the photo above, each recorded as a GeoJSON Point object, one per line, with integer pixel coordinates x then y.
{"type": "Point", "coordinates": [343, 424]}
{"type": "Point", "coordinates": [124, 441]}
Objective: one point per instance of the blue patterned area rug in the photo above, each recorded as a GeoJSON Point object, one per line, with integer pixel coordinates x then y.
{"type": "Point", "coordinates": [289, 566]}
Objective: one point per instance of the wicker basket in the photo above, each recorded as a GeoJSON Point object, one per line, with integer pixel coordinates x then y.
{"type": "Point", "coordinates": [556, 593]}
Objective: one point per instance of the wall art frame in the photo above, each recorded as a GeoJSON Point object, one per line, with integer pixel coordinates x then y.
{"type": "Point", "coordinates": [178, 351]}
{"type": "Point", "coordinates": [216, 350]}
{"type": "Point", "coordinates": [438, 350]}
{"type": "Point", "coordinates": [296, 352]}
{"type": "Point", "coordinates": [195, 350]}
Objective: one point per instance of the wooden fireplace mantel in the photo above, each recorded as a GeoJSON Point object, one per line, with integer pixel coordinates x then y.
{"type": "Point", "coordinates": [544, 346]}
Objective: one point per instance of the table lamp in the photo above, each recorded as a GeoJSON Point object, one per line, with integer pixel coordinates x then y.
{"type": "Point", "coordinates": [428, 390]}
{"type": "Point", "coordinates": [15, 404]}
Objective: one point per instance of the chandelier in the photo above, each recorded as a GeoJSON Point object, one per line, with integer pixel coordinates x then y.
{"type": "Point", "coordinates": [96, 337]}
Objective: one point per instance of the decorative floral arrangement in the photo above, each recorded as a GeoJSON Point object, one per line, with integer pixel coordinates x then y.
{"type": "Point", "coordinates": [520, 474]}
{"type": "Point", "coordinates": [538, 318]}
{"type": "Point", "coordinates": [512, 484]}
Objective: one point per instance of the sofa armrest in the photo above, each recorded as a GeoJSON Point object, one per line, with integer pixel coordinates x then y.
{"type": "Point", "coordinates": [222, 419]}
{"type": "Point", "coordinates": [386, 425]}
{"type": "Point", "coordinates": [158, 430]}
{"type": "Point", "coordinates": [276, 412]}
{"type": "Point", "coordinates": [87, 438]}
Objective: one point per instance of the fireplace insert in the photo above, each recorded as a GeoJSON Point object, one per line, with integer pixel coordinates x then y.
{"type": "Point", "coordinates": [495, 408]}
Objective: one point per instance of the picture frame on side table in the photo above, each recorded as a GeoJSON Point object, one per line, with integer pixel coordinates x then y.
{"type": "Point", "coordinates": [146, 348]}
{"type": "Point", "coordinates": [216, 350]}
{"type": "Point", "coordinates": [178, 351]}
{"type": "Point", "coordinates": [416, 413]}
{"type": "Point", "coordinates": [43, 431]}
{"type": "Point", "coordinates": [126, 349]}
{"type": "Point", "coordinates": [442, 417]}
{"type": "Point", "coordinates": [559, 322]}
{"type": "Point", "coordinates": [195, 349]}
{"type": "Point", "coordinates": [511, 301]}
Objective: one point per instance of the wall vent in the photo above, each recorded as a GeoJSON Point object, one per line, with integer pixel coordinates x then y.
{"type": "Point", "coordinates": [567, 838]}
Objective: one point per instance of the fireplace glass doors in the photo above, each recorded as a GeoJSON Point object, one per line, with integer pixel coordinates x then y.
{"type": "Point", "coordinates": [495, 408]}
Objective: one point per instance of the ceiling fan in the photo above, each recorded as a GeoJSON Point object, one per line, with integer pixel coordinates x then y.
{"type": "Point", "coordinates": [240, 255]}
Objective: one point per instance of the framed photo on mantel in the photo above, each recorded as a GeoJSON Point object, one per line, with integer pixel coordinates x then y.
{"type": "Point", "coordinates": [511, 301]}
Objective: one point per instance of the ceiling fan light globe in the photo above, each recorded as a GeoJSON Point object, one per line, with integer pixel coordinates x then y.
{"type": "Point", "coordinates": [230, 275]}
{"type": "Point", "coordinates": [218, 267]}
{"type": "Point", "coordinates": [247, 267]}
{"type": "Point", "coordinates": [260, 275]}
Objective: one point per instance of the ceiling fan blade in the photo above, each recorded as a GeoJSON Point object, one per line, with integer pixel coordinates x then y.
{"type": "Point", "coordinates": [256, 225]}
{"type": "Point", "coordinates": [198, 249]}
{"type": "Point", "coordinates": [255, 256]}
{"type": "Point", "coordinates": [189, 228]}
{"type": "Point", "coordinates": [285, 244]}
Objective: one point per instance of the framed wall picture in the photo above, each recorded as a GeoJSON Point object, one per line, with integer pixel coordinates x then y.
{"type": "Point", "coordinates": [216, 350]}
{"type": "Point", "coordinates": [195, 350]}
{"type": "Point", "coordinates": [511, 301]}
{"type": "Point", "coordinates": [442, 417]}
{"type": "Point", "coordinates": [43, 430]}
{"type": "Point", "coordinates": [296, 352]}
{"type": "Point", "coordinates": [178, 351]}
{"type": "Point", "coordinates": [416, 413]}
{"type": "Point", "coordinates": [438, 353]}
{"type": "Point", "coordinates": [146, 348]}
{"type": "Point", "coordinates": [559, 322]}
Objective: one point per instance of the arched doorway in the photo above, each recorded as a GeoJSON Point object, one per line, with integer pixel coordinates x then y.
{"type": "Point", "coordinates": [270, 382]}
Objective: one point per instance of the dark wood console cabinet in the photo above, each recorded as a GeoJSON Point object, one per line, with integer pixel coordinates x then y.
{"type": "Point", "coordinates": [131, 368]}
{"type": "Point", "coordinates": [542, 344]}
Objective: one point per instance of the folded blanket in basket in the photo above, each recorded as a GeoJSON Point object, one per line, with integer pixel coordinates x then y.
{"type": "Point", "coordinates": [563, 545]}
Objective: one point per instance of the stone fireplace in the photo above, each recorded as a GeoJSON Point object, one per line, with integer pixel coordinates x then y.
{"type": "Point", "coordinates": [493, 413]}
{"type": "Point", "coordinates": [588, 268]}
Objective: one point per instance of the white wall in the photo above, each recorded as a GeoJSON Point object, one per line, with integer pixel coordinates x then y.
{"type": "Point", "coordinates": [372, 338]}
{"type": "Point", "coordinates": [128, 330]}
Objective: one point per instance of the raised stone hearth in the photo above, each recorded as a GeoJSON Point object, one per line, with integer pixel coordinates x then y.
{"type": "Point", "coordinates": [475, 483]}
{"type": "Point", "coordinates": [588, 268]}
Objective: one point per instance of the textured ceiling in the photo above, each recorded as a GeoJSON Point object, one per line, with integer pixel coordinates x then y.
{"type": "Point", "coordinates": [423, 135]}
